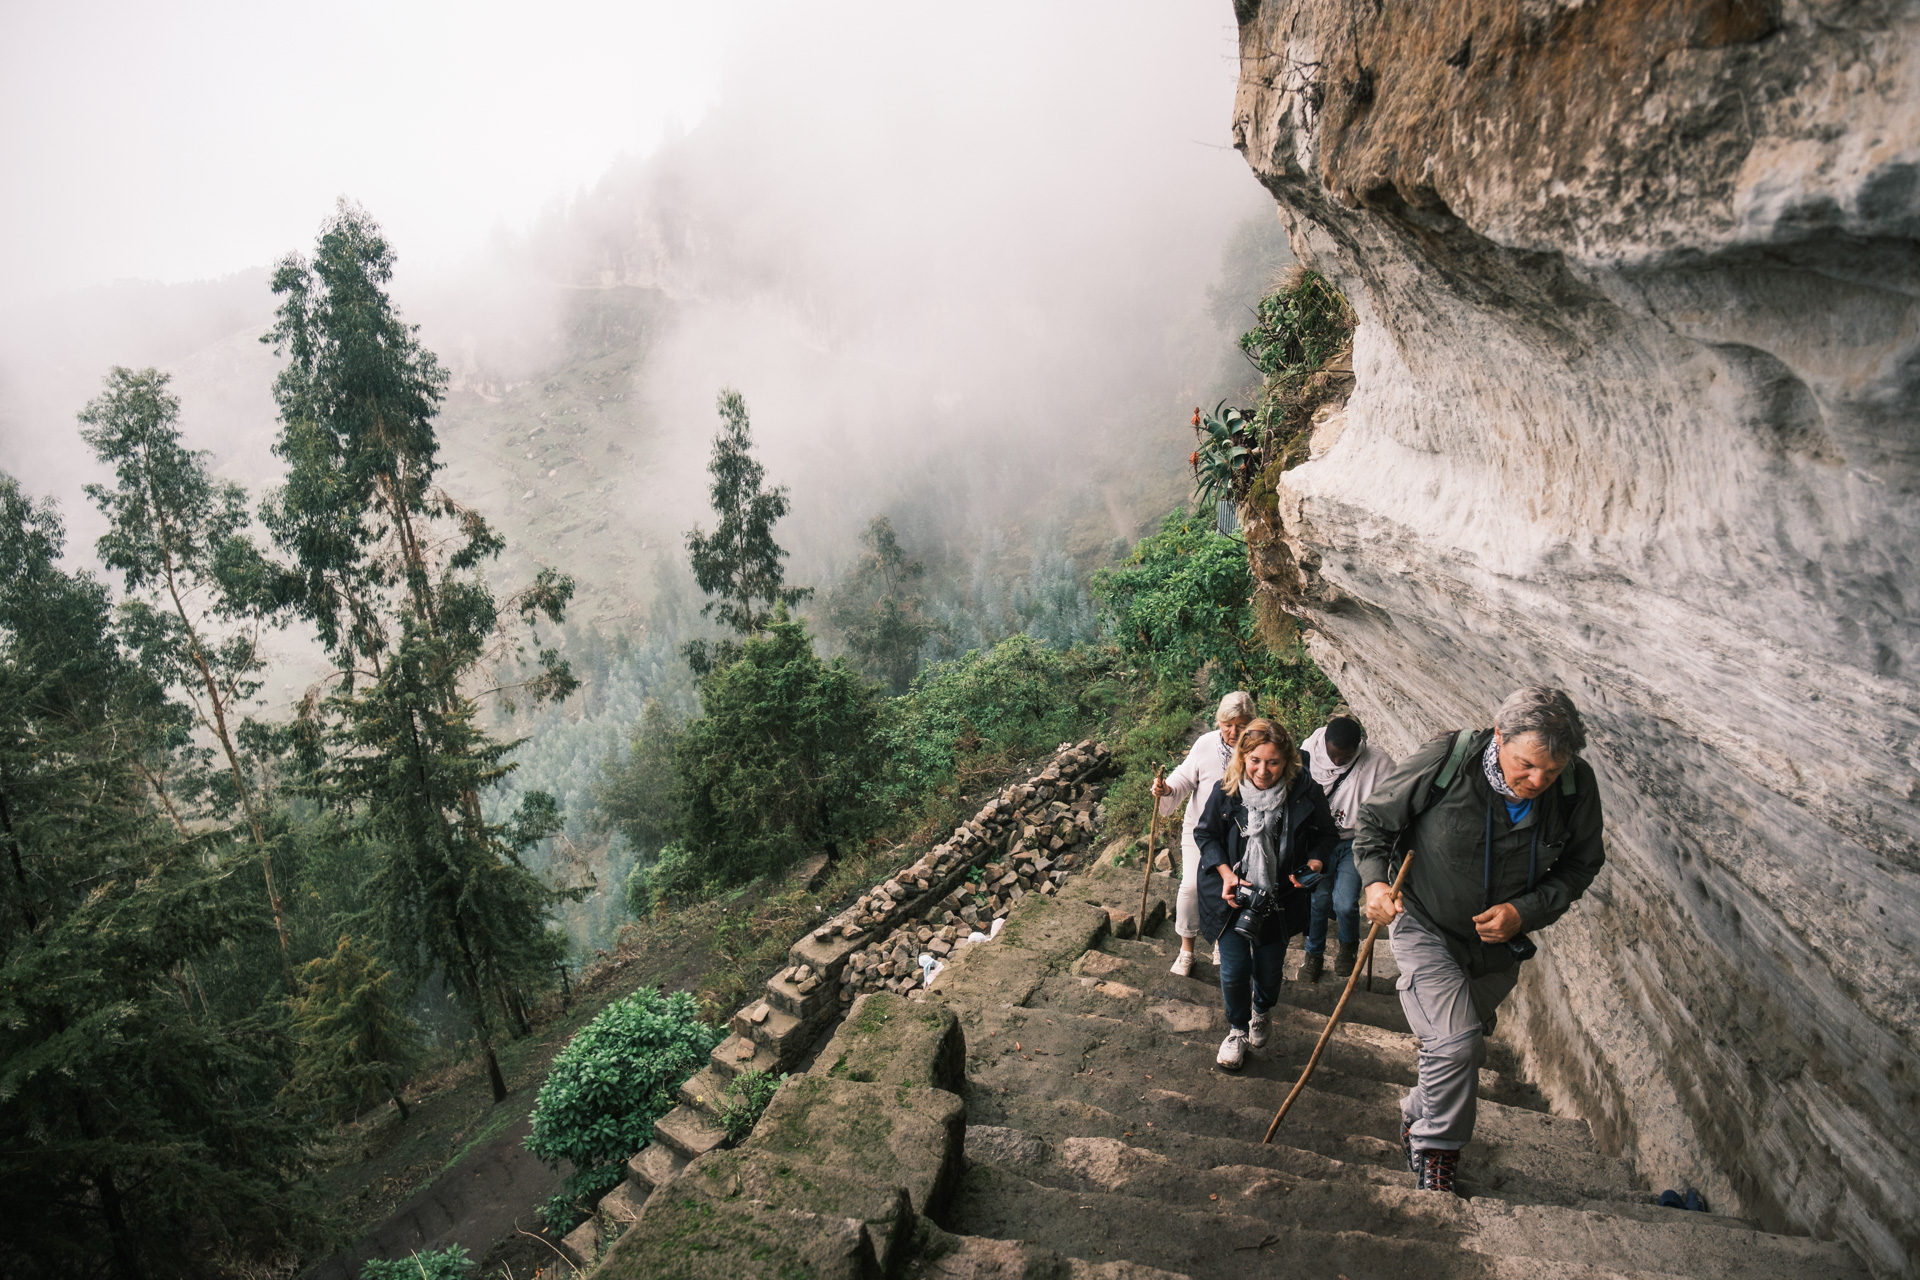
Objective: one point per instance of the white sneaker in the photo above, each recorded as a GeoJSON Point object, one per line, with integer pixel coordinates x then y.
{"type": "Point", "coordinates": [1257, 1029]}
{"type": "Point", "coordinates": [1183, 964]}
{"type": "Point", "coordinates": [1216, 955]}
{"type": "Point", "coordinates": [1233, 1050]}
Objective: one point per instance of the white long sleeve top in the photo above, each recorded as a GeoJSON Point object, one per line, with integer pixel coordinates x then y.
{"type": "Point", "coordinates": [1356, 781]}
{"type": "Point", "coordinates": [1193, 779]}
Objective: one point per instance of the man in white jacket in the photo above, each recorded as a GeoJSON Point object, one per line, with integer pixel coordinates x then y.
{"type": "Point", "coordinates": [1348, 768]}
{"type": "Point", "coordinates": [1191, 783]}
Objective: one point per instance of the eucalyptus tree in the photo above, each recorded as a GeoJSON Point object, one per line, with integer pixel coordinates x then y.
{"type": "Point", "coordinates": [739, 563]}
{"type": "Point", "coordinates": [388, 566]}
{"type": "Point", "coordinates": [138, 1132]}
{"type": "Point", "coordinates": [199, 592]}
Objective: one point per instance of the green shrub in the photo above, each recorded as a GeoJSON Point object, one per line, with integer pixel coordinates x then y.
{"type": "Point", "coordinates": [450, 1263]}
{"type": "Point", "coordinates": [1017, 697]}
{"type": "Point", "coordinates": [1184, 599]}
{"type": "Point", "coordinates": [612, 1081]}
{"type": "Point", "coordinates": [777, 767]}
{"type": "Point", "coordinates": [747, 1095]}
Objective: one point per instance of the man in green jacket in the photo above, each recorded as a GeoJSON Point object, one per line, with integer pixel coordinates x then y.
{"type": "Point", "coordinates": [1505, 826]}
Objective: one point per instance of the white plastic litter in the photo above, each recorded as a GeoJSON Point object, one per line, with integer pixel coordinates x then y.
{"type": "Point", "coordinates": [929, 969]}
{"type": "Point", "coordinates": [997, 926]}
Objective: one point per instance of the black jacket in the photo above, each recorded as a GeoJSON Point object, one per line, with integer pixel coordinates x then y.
{"type": "Point", "coordinates": [1310, 834]}
{"type": "Point", "coordinates": [1447, 885]}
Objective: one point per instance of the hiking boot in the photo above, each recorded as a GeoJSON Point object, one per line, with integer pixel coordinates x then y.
{"type": "Point", "coordinates": [1182, 964]}
{"type": "Point", "coordinates": [1233, 1050]}
{"type": "Point", "coordinates": [1311, 963]}
{"type": "Point", "coordinates": [1406, 1145]}
{"type": "Point", "coordinates": [1343, 963]}
{"type": "Point", "coordinates": [1437, 1169]}
{"type": "Point", "coordinates": [1257, 1029]}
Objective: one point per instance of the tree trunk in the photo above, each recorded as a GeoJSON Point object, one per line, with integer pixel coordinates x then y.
{"type": "Point", "coordinates": [498, 1081]}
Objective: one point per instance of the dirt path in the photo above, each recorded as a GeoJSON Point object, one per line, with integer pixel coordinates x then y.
{"type": "Point", "coordinates": [472, 1204]}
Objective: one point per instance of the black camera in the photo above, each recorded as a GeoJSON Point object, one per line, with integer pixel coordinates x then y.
{"type": "Point", "coordinates": [1522, 947]}
{"type": "Point", "coordinates": [1254, 903]}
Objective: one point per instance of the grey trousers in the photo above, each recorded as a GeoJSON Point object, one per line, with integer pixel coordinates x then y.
{"type": "Point", "coordinates": [1452, 1014]}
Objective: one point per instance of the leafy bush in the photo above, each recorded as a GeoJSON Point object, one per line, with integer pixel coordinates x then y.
{"type": "Point", "coordinates": [746, 1097]}
{"type": "Point", "coordinates": [611, 1083]}
{"type": "Point", "coordinates": [1017, 697]}
{"type": "Point", "coordinates": [450, 1263]}
{"type": "Point", "coordinates": [1183, 599]}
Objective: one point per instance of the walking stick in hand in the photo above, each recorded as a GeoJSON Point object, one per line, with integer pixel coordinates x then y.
{"type": "Point", "coordinates": [1366, 961]}
{"type": "Point", "coordinates": [1146, 877]}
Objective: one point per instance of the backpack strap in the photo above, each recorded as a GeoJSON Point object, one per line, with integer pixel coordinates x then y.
{"type": "Point", "coordinates": [1451, 769]}
{"type": "Point", "coordinates": [1568, 787]}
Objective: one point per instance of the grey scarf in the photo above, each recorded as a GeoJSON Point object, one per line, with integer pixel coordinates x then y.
{"type": "Point", "coordinates": [1495, 778]}
{"type": "Point", "coordinates": [1266, 833]}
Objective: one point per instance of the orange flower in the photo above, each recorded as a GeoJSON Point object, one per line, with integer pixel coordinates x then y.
{"type": "Point", "coordinates": [1193, 459]}
{"type": "Point", "coordinates": [1196, 415]}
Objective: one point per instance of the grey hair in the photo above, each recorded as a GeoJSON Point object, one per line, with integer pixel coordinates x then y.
{"type": "Point", "coordinates": [1235, 706]}
{"type": "Point", "coordinates": [1545, 713]}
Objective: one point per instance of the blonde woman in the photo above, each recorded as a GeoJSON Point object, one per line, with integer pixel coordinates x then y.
{"type": "Point", "coordinates": [1265, 823]}
{"type": "Point", "coordinates": [1206, 764]}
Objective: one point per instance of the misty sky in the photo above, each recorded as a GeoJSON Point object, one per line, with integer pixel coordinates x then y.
{"type": "Point", "coordinates": [160, 140]}
{"type": "Point", "coordinates": [997, 223]}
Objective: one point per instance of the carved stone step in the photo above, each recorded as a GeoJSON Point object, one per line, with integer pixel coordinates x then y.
{"type": "Point", "coordinates": [703, 1090]}
{"type": "Point", "coordinates": [778, 1030]}
{"type": "Point", "coordinates": [687, 1132]}
{"type": "Point", "coordinates": [737, 1054]}
{"type": "Point", "coordinates": [655, 1166]}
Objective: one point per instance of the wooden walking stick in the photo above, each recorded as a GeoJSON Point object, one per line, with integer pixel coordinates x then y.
{"type": "Point", "coordinates": [1146, 878]}
{"type": "Point", "coordinates": [1366, 956]}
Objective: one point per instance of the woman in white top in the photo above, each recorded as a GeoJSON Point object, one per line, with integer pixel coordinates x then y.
{"type": "Point", "coordinates": [1205, 764]}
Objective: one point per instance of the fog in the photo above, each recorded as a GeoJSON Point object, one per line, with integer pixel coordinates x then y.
{"type": "Point", "coordinates": [963, 264]}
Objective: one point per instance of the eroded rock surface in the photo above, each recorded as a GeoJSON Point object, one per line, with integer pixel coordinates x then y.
{"type": "Point", "coordinates": [1637, 370]}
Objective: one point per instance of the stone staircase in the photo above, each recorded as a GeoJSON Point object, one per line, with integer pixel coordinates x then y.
{"type": "Point", "coordinates": [1050, 1107]}
{"type": "Point", "coordinates": [1024, 841]}
{"type": "Point", "coordinates": [1099, 1129]}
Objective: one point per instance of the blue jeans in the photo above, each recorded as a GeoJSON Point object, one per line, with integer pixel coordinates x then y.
{"type": "Point", "coordinates": [1249, 976]}
{"type": "Point", "coordinates": [1336, 894]}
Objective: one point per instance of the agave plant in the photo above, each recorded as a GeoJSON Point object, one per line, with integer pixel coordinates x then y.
{"type": "Point", "coordinates": [1226, 441]}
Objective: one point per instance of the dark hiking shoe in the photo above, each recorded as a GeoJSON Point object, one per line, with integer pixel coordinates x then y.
{"type": "Point", "coordinates": [1437, 1169]}
{"type": "Point", "coordinates": [1311, 963]}
{"type": "Point", "coordinates": [1343, 963]}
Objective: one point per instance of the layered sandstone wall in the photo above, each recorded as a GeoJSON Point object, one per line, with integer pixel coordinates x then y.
{"type": "Point", "coordinates": [1638, 383]}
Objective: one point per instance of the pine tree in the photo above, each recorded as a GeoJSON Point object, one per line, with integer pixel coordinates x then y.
{"type": "Point", "coordinates": [739, 562]}
{"type": "Point", "coordinates": [200, 603]}
{"type": "Point", "coordinates": [136, 1131]}
{"type": "Point", "coordinates": [882, 621]}
{"type": "Point", "coordinates": [356, 1042]}
{"type": "Point", "coordinates": [387, 567]}
{"type": "Point", "coordinates": [780, 764]}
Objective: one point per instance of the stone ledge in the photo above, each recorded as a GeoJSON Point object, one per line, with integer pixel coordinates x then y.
{"type": "Point", "coordinates": [889, 1040]}
{"type": "Point", "coordinates": [689, 1233]}
{"type": "Point", "coordinates": [889, 1134]}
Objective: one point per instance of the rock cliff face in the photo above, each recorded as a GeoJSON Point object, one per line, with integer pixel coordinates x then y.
{"type": "Point", "coordinates": [1637, 389]}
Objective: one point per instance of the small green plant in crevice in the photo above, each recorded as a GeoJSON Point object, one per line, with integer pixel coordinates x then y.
{"type": "Point", "coordinates": [450, 1263]}
{"type": "Point", "coordinates": [1299, 329]}
{"type": "Point", "coordinates": [746, 1096]}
